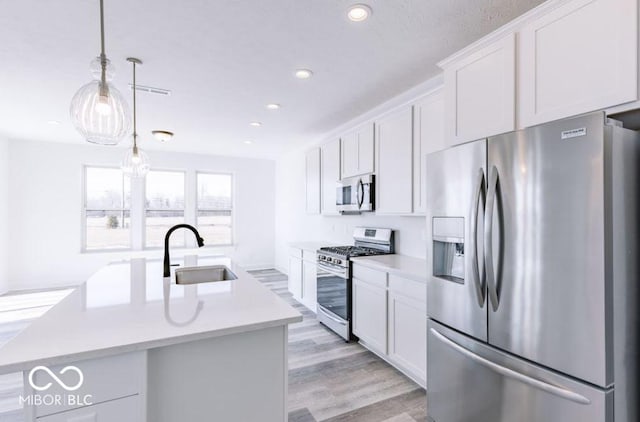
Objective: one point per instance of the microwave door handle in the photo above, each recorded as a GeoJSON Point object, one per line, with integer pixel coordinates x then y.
{"type": "Point", "coordinates": [488, 239]}
{"type": "Point", "coordinates": [480, 281]}
{"type": "Point", "coordinates": [360, 193]}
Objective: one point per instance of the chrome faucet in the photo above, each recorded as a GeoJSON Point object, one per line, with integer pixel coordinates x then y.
{"type": "Point", "coordinates": [167, 261]}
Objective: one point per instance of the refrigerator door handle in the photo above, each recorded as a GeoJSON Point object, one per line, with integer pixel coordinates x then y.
{"type": "Point", "coordinates": [510, 373]}
{"type": "Point", "coordinates": [480, 281]}
{"type": "Point", "coordinates": [488, 239]}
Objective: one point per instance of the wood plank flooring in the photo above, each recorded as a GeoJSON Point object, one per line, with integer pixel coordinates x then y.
{"type": "Point", "coordinates": [330, 380]}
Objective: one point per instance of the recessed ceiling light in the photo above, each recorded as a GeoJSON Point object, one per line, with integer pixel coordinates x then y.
{"type": "Point", "coordinates": [273, 106]}
{"type": "Point", "coordinates": [359, 12]}
{"type": "Point", "coordinates": [248, 142]}
{"type": "Point", "coordinates": [54, 122]}
{"type": "Point", "coordinates": [303, 73]}
{"type": "Point", "coordinates": [255, 124]}
{"type": "Point", "coordinates": [162, 135]}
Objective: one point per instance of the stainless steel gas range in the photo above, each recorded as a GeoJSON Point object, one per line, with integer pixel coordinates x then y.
{"type": "Point", "coordinates": [334, 276]}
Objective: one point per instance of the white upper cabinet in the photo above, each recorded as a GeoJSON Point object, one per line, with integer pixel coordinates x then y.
{"type": "Point", "coordinates": [312, 180]}
{"type": "Point", "coordinates": [330, 160]}
{"type": "Point", "coordinates": [428, 137]}
{"type": "Point", "coordinates": [579, 57]}
{"type": "Point", "coordinates": [480, 92]}
{"type": "Point", "coordinates": [357, 151]}
{"type": "Point", "coordinates": [394, 180]}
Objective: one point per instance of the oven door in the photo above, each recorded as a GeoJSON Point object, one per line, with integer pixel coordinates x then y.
{"type": "Point", "coordinates": [334, 300]}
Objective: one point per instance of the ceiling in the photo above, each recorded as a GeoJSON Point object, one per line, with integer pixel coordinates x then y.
{"type": "Point", "coordinates": [224, 60]}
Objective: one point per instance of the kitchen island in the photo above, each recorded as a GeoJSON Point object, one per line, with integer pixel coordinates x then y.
{"type": "Point", "coordinates": [142, 348]}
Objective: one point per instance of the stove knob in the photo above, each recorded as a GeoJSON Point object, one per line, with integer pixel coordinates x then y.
{"type": "Point", "coordinates": [329, 259]}
{"type": "Point", "coordinates": [321, 257]}
{"type": "Point", "coordinates": [337, 261]}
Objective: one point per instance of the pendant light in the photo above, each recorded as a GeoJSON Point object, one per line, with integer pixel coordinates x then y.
{"type": "Point", "coordinates": [98, 110]}
{"type": "Point", "coordinates": [135, 162]}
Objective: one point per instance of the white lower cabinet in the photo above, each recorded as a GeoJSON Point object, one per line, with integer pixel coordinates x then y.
{"type": "Point", "coordinates": [390, 318]}
{"type": "Point", "coordinates": [408, 334]}
{"type": "Point", "coordinates": [302, 277]}
{"type": "Point", "coordinates": [122, 410]}
{"type": "Point", "coordinates": [309, 274]}
{"type": "Point", "coordinates": [295, 277]}
{"type": "Point", "coordinates": [370, 314]}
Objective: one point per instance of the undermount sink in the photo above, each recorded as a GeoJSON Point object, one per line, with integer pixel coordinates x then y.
{"type": "Point", "coordinates": [195, 275]}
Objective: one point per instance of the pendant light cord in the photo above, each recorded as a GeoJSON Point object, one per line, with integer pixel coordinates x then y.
{"type": "Point", "coordinates": [135, 133]}
{"type": "Point", "coordinates": [103, 57]}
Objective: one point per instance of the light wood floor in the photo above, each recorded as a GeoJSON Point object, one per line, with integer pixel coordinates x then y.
{"type": "Point", "coordinates": [329, 380]}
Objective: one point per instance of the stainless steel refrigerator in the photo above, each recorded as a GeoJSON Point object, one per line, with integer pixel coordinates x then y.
{"type": "Point", "coordinates": [532, 294]}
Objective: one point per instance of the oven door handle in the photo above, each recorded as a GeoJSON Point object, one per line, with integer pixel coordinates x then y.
{"type": "Point", "coordinates": [331, 270]}
{"type": "Point", "coordinates": [331, 317]}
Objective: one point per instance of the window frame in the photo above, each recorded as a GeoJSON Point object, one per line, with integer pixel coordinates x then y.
{"type": "Point", "coordinates": [145, 209]}
{"type": "Point", "coordinates": [197, 208]}
{"type": "Point", "coordinates": [84, 209]}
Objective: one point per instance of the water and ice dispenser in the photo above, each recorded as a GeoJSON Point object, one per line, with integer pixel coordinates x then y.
{"type": "Point", "coordinates": [448, 248]}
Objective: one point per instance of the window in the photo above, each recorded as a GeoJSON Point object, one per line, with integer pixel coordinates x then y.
{"type": "Point", "coordinates": [107, 204]}
{"type": "Point", "coordinates": [214, 208]}
{"type": "Point", "coordinates": [164, 207]}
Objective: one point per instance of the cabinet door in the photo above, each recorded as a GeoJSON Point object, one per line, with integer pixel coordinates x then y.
{"type": "Point", "coordinates": [295, 277]}
{"type": "Point", "coordinates": [394, 182]}
{"type": "Point", "coordinates": [330, 160]}
{"type": "Point", "coordinates": [370, 314]}
{"type": "Point", "coordinates": [357, 149]}
{"type": "Point", "coordinates": [580, 57]}
{"type": "Point", "coordinates": [309, 274]}
{"type": "Point", "coordinates": [313, 181]}
{"type": "Point", "coordinates": [128, 409]}
{"type": "Point", "coordinates": [349, 156]}
{"type": "Point", "coordinates": [366, 149]}
{"type": "Point", "coordinates": [480, 93]}
{"type": "Point", "coordinates": [428, 137]}
{"type": "Point", "coordinates": [408, 334]}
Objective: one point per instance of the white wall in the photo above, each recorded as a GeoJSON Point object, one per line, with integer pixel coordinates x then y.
{"type": "Point", "coordinates": [45, 191]}
{"type": "Point", "coordinates": [293, 224]}
{"type": "Point", "coordinates": [4, 214]}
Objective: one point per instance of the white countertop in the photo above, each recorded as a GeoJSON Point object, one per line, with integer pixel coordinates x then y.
{"type": "Point", "coordinates": [311, 246]}
{"type": "Point", "coordinates": [130, 306]}
{"type": "Point", "coordinates": [401, 265]}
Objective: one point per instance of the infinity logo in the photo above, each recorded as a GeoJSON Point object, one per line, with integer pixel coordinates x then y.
{"type": "Point", "coordinates": [55, 378]}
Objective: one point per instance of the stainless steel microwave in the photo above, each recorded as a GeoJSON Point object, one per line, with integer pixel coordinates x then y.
{"type": "Point", "coordinates": [355, 194]}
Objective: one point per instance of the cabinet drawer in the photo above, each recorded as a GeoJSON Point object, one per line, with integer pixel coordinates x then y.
{"type": "Point", "coordinates": [295, 252]}
{"type": "Point", "coordinates": [128, 409]}
{"type": "Point", "coordinates": [379, 278]}
{"type": "Point", "coordinates": [410, 288]}
{"type": "Point", "coordinates": [104, 379]}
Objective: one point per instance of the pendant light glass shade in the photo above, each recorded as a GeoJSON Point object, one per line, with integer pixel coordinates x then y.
{"type": "Point", "coordinates": [98, 110]}
{"type": "Point", "coordinates": [100, 119]}
{"type": "Point", "coordinates": [135, 163]}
